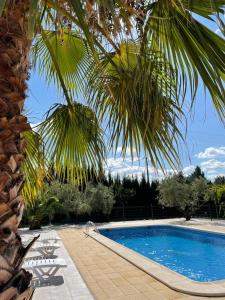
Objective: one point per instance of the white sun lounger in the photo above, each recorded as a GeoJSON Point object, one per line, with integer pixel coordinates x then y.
{"type": "Point", "coordinates": [45, 268]}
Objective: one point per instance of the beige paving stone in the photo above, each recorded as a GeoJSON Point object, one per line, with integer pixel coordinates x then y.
{"type": "Point", "coordinates": [144, 287]}
{"type": "Point", "coordinates": [99, 278]}
{"type": "Point", "coordinates": [90, 278]}
{"type": "Point", "coordinates": [132, 297]}
{"type": "Point", "coordinates": [119, 281]}
{"type": "Point", "coordinates": [148, 279]}
{"type": "Point", "coordinates": [99, 294]}
{"type": "Point", "coordinates": [128, 289]}
{"type": "Point", "coordinates": [112, 275]}
{"type": "Point", "coordinates": [154, 296]}
{"type": "Point", "coordinates": [90, 267]}
{"type": "Point", "coordinates": [170, 294]}
{"type": "Point", "coordinates": [112, 292]}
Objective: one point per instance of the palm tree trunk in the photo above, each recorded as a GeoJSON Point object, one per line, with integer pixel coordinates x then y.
{"type": "Point", "coordinates": [14, 50]}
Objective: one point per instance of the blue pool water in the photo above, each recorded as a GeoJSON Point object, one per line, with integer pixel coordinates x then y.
{"type": "Point", "coordinates": [195, 254]}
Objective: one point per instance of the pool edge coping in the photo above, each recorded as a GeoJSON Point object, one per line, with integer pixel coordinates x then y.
{"type": "Point", "coordinates": [161, 273]}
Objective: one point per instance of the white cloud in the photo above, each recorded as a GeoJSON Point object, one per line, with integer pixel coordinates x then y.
{"type": "Point", "coordinates": [128, 152]}
{"type": "Point", "coordinates": [213, 168]}
{"type": "Point", "coordinates": [124, 167]}
{"type": "Point", "coordinates": [213, 161]}
{"type": "Point", "coordinates": [212, 164]}
{"type": "Point", "coordinates": [211, 152]}
{"type": "Point", "coordinates": [127, 167]}
{"type": "Point", "coordinates": [188, 170]}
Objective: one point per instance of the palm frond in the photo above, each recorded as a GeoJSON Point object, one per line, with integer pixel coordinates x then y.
{"type": "Point", "coordinates": [62, 54]}
{"type": "Point", "coordinates": [73, 141]}
{"type": "Point", "coordinates": [205, 8]}
{"type": "Point", "coordinates": [34, 166]}
{"type": "Point", "coordinates": [140, 100]}
{"type": "Point", "coordinates": [190, 47]}
{"type": "Point", "coordinates": [34, 10]}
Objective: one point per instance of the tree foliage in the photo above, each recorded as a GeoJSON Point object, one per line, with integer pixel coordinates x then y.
{"type": "Point", "coordinates": [67, 199]}
{"type": "Point", "coordinates": [175, 192]}
{"type": "Point", "coordinates": [100, 198]}
{"type": "Point", "coordinates": [216, 194]}
{"type": "Point", "coordinates": [198, 173]}
{"type": "Point", "coordinates": [219, 180]}
{"type": "Point", "coordinates": [97, 198]}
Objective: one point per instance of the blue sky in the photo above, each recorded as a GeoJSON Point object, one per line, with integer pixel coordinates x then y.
{"type": "Point", "coordinates": [205, 140]}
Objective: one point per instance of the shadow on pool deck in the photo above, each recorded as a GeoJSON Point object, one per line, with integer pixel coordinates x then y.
{"type": "Point", "coordinates": [51, 281]}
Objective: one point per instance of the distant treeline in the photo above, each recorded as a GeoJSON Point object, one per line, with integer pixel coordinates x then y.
{"type": "Point", "coordinates": [131, 191]}
{"type": "Point", "coordinates": [104, 198]}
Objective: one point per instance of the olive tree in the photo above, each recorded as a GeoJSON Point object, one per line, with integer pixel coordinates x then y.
{"type": "Point", "coordinates": [100, 198]}
{"type": "Point", "coordinates": [175, 192]}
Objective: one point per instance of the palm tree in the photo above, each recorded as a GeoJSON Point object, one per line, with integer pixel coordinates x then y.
{"type": "Point", "coordinates": [137, 58]}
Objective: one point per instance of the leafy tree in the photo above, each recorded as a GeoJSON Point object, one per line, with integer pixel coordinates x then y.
{"type": "Point", "coordinates": [124, 190]}
{"type": "Point", "coordinates": [198, 173]}
{"type": "Point", "coordinates": [122, 196]}
{"type": "Point", "coordinates": [154, 193]}
{"type": "Point", "coordinates": [110, 180]}
{"type": "Point", "coordinates": [100, 198]}
{"type": "Point", "coordinates": [199, 189]}
{"type": "Point", "coordinates": [72, 200]}
{"type": "Point", "coordinates": [143, 192]}
{"type": "Point", "coordinates": [135, 184]}
{"type": "Point", "coordinates": [216, 193]}
{"type": "Point", "coordinates": [156, 48]}
{"type": "Point", "coordinates": [174, 192]}
{"type": "Point", "coordinates": [219, 180]}
{"type": "Point", "coordinates": [96, 198]}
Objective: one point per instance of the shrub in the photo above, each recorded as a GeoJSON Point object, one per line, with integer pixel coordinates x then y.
{"type": "Point", "coordinates": [43, 207]}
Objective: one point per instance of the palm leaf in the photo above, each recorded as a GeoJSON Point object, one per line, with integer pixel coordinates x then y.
{"type": "Point", "coordinates": [34, 11]}
{"type": "Point", "coordinates": [73, 141]}
{"type": "Point", "coordinates": [191, 48]}
{"type": "Point", "coordinates": [62, 58]}
{"type": "Point", "coordinates": [34, 166]}
{"type": "Point", "coordinates": [205, 8]}
{"type": "Point", "coordinates": [139, 98]}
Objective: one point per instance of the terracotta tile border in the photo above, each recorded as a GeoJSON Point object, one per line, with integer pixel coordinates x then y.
{"type": "Point", "coordinates": [163, 274]}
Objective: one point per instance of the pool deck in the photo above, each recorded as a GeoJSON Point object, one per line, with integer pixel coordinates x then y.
{"type": "Point", "coordinates": [110, 276]}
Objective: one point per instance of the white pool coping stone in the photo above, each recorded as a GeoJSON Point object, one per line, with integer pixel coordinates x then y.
{"type": "Point", "coordinates": [163, 274]}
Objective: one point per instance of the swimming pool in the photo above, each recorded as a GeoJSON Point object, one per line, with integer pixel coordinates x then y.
{"type": "Point", "coordinates": [196, 254]}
